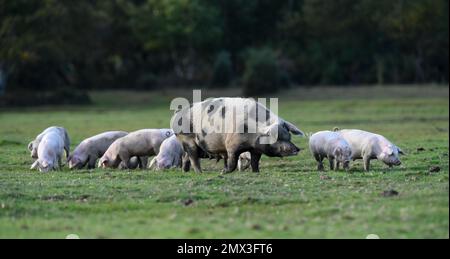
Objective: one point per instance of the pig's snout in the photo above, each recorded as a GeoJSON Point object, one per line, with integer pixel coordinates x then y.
{"type": "Point", "coordinates": [164, 165]}
{"type": "Point", "coordinates": [394, 163]}
{"type": "Point", "coordinates": [296, 150]}
{"type": "Point", "coordinates": [103, 164]}
{"type": "Point", "coordinates": [45, 168]}
{"type": "Point", "coordinates": [73, 166]}
{"type": "Point", "coordinates": [291, 150]}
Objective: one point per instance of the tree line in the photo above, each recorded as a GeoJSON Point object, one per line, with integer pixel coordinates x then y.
{"type": "Point", "coordinates": [261, 45]}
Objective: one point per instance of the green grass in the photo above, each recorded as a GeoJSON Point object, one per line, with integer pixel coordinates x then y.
{"type": "Point", "coordinates": [288, 199]}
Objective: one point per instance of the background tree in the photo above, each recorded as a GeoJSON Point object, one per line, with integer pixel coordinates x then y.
{"type": "Point", "coordinates": [141, 44]}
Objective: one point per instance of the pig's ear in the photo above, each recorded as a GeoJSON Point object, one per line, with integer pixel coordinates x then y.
{"type": "Point", "coordinates": [388, 150]}
{"type": "Point", "coordinates": [35, 165]}
{"type": "Point", "coordinates": [400, 151]}
{"type": "Point", "coordinates": [268, 131]}
{"type": "Point", "coordinates": [45, 164]}
{"type": "Point", "coordinates": [269, 135]}
{"type": "Point", "coordinates": [30, 146]}
{"type": "Point", "coordinates": [290, 127]}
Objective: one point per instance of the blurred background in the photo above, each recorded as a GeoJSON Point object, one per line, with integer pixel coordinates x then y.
{"type": "Point", "coordinates": [56, 52]}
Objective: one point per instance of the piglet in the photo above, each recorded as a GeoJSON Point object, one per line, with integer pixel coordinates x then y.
{"type": "Point", "coordinates": [141, 143]}
{"type": "Point", "coordinates": [33, 145]}
{"type": "Point", "coordinates": [89, 150]}
{"type": "Point", "coordinates": [366, 145]}
{"type": "Point", "coordinates": [49, 152]}
{"type": "Point", "coordinates": [330, 145]}
{"type": "Point", "coordinates": [170, 155]}
{"type": "Point", "coordinates": [244, 161]}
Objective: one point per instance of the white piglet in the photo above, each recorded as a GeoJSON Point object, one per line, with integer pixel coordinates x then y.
{"type": "Point", "coordinates": [330, 145]}
{"type": "Point", "coordinates": [33, 146]}
{"type": "Point", "coordinates": [170, 154]}
{"type": "Point", "coordinates": [244, 161]}
{"type": "Point", "coordinates": [141, 143]}
{"type": "Point", "coordinates": [49, 152]}
{"type": "Point", "coordinates": [89, 150]}
{"type": "Point", "coordinates": [366, 145]}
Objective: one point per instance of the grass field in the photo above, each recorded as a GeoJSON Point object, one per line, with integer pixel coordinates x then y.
{"type": "Point", "coordinates": [288, 199]}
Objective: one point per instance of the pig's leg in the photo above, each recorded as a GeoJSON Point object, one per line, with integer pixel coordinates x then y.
{"type": "Point", "coordinates": [254, 162]}
{"type": "Point", "coordinates": [186, 163]}
{"type": "Point", "coordinates": [225, 163]}
{"type": "Point", "coordinates": [336, 165]}
{"type": "Point", "coordinates": [331, 160]}
{"type": "Point", "coordinates": [59, 161]}
{"type": "Point", "coordinates": [91, 162]}
{"type": "Point", "coordinates": [195, 161]}
{"type": "Point", "coordinates": [126, 161]}
{"type": "Point", "coordinates": [192, 151]}
{"type": "Point", "coordinates": [366, 160]}
{"type": "Point", "coordinates": [143, 162]}
{"type": "Point", "coordinates": [232, 162]}
{"type": "Point", "coordinates": [319, 160]}
{"type": "Point", "coordinates": [122, 165]}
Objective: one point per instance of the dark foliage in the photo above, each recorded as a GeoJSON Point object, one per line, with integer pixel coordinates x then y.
{"type": "Point", "coordinates": [49, 44]}
{"type": "Point", "coordinates": [222, 70]}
